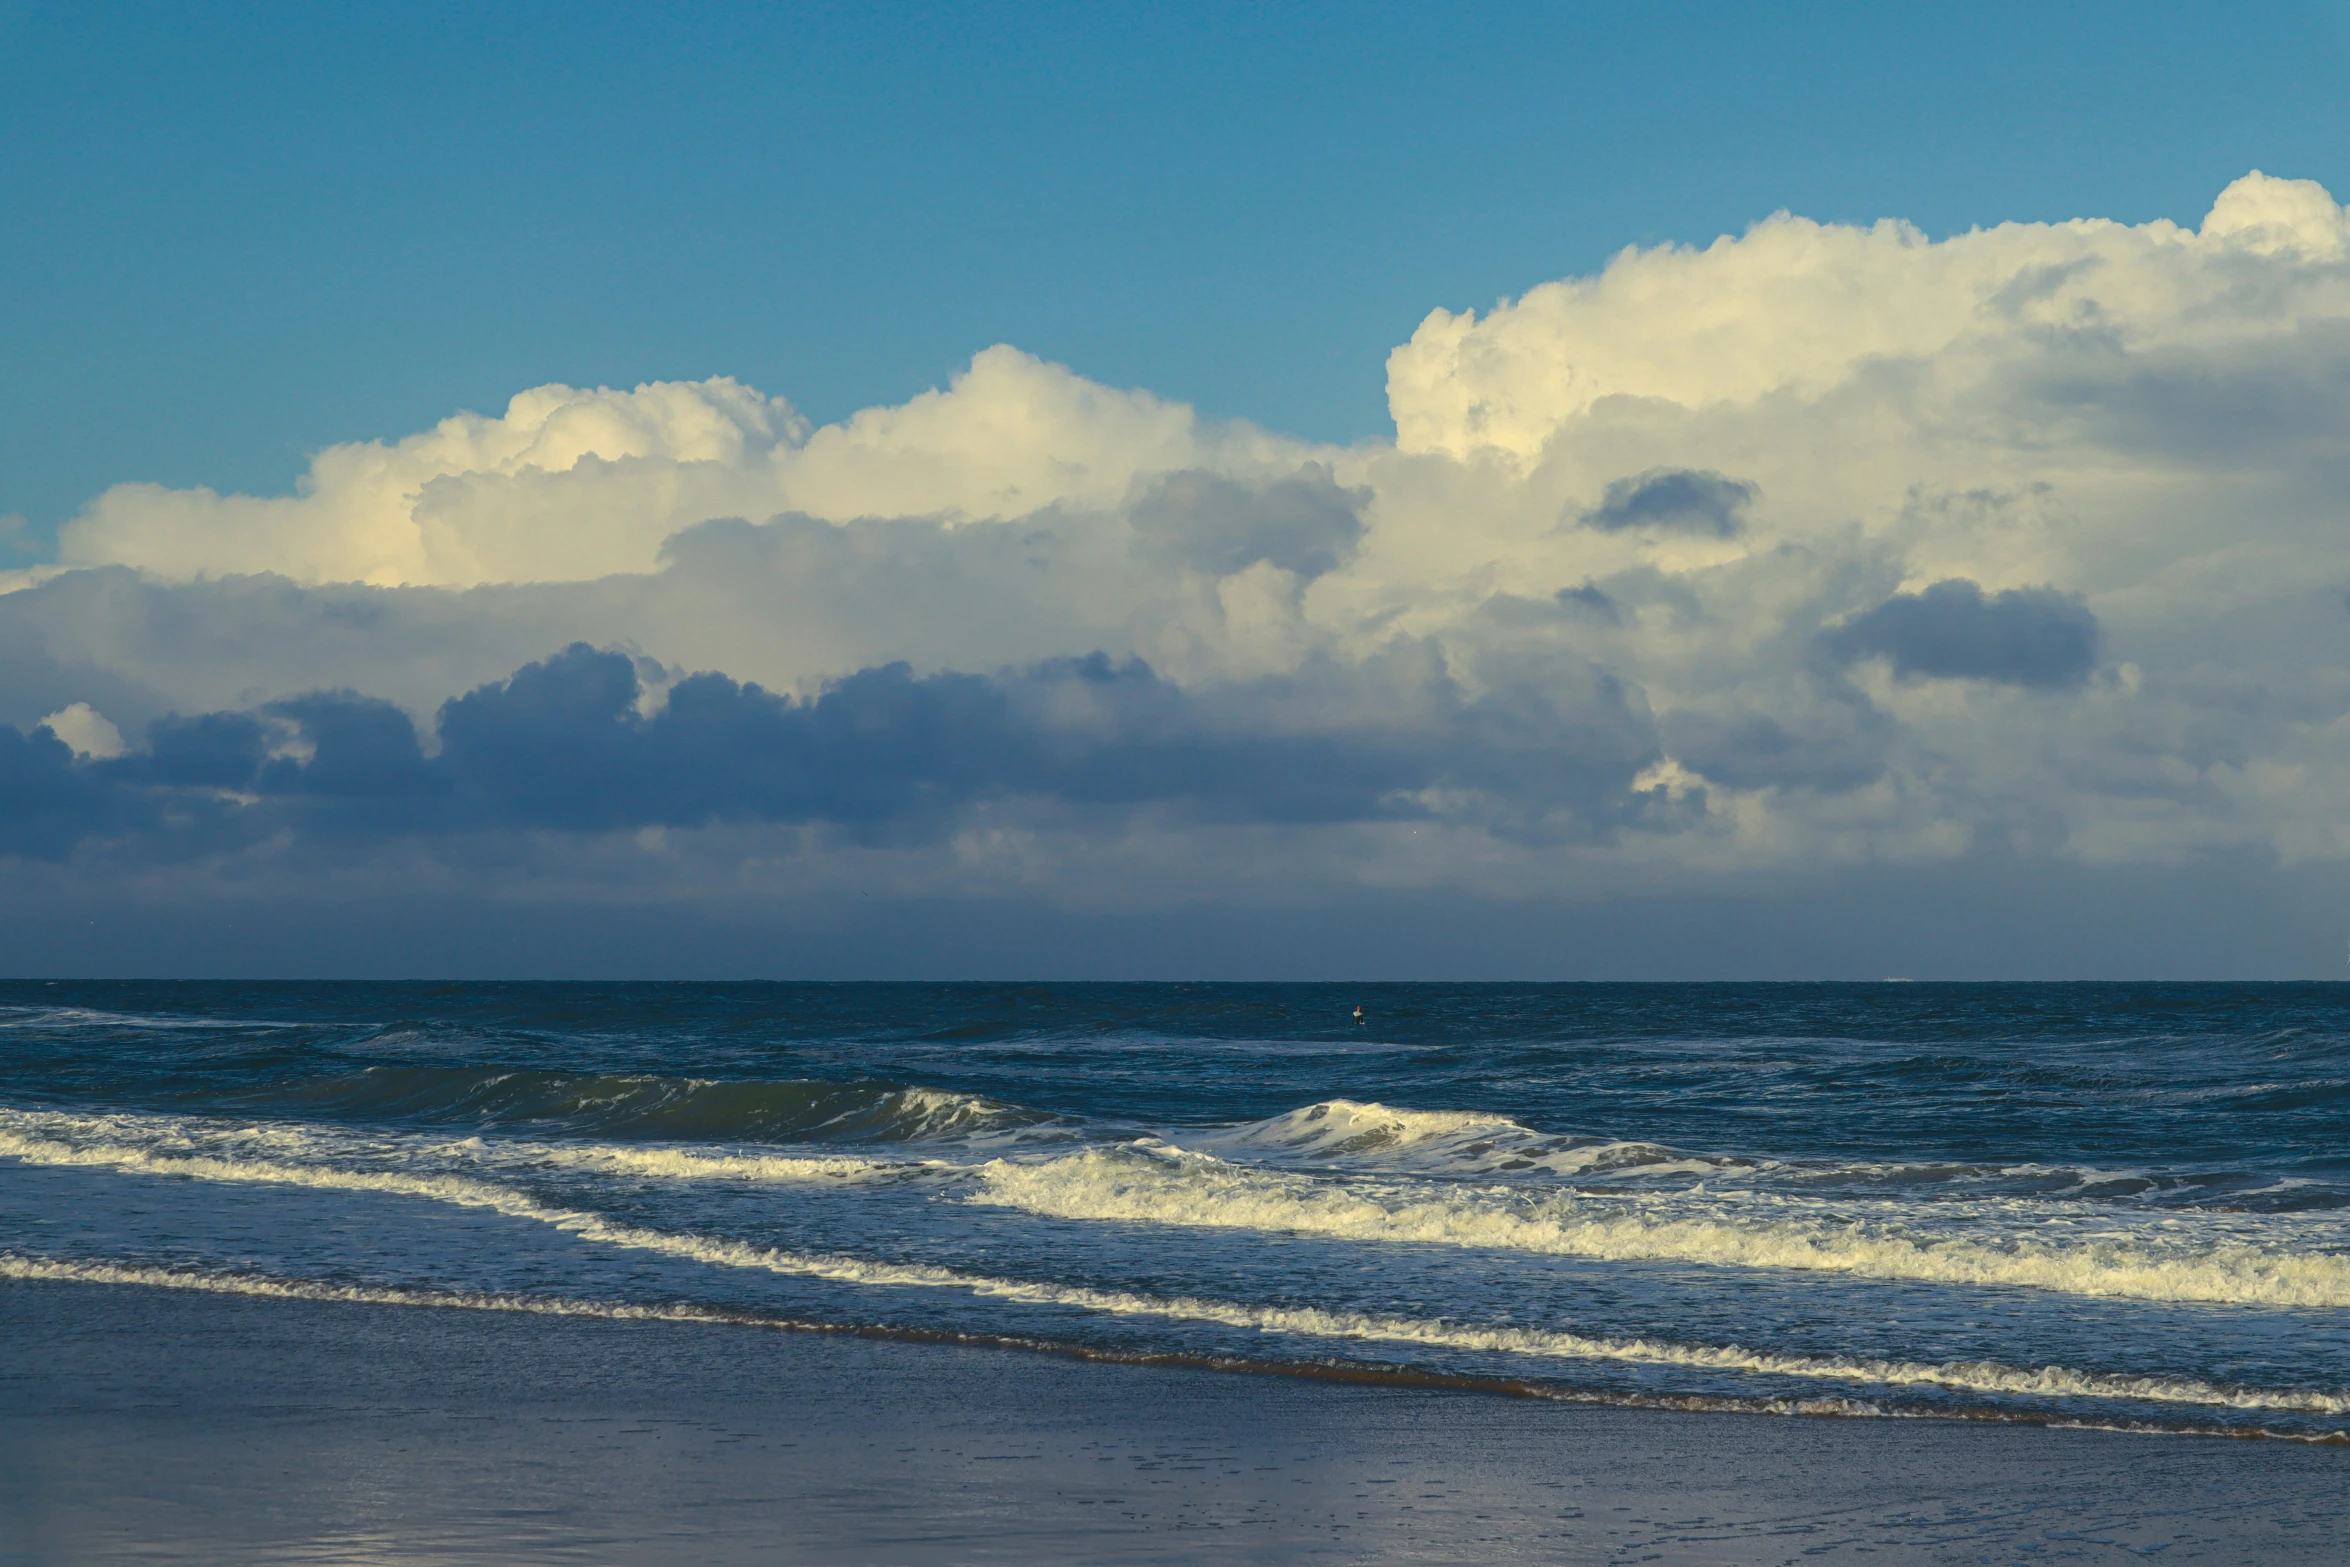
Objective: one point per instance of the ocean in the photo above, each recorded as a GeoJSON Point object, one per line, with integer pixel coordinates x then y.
{"type": "Point", "coordinates": [2096, 1205]}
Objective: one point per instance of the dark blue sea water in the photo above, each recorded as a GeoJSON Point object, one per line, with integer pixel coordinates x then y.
{"type": "Point", "coordinates": [2122, 1205]}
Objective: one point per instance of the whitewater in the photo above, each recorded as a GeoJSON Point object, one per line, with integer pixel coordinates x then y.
{"type": "Point", "coordinates": [2069, 1205]}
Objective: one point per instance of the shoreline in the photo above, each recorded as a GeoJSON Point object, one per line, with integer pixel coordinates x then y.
{"type": "Point", "coordinates": [1368, 1373]}
{"type": "Point", "coordinates": [184, 1425]}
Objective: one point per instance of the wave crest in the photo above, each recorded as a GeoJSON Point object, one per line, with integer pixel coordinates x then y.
{"type": "Point", "coordinates": [1374, 1135]}
{"type": "Point", "coordinates": [679, 1109]}
{"type": "Point", "coordinates": [2239, 1262]}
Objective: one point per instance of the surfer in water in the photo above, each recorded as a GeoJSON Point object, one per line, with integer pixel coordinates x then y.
{"type": "Point", "coordinates": [1358, 1014]}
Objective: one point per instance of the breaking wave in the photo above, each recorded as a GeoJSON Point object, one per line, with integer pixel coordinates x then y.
{"type": "Point", "coordinates": [1979, 1377]}
{"type": "Point", "coordinates": [2194, 1256]}
{"type": "Point", "coordinates": [683, 1164]}
{"type": "Point", "coordinates": [1367, 1136]}
{"type": "Point", "coordinates": [1345, 1132]}
{"type": "Point", "coordinates": [2209, 1257]}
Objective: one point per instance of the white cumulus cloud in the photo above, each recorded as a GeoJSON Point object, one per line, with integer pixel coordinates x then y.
{"type": "Point", "coordinates": [86, 730]}
{"type": "Point", "coordinates": [1799, 309]}
{"type": "Point", "coordinates": [569, 485]}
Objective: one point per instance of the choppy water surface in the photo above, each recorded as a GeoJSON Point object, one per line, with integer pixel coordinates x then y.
{"type": "Point", "coordinates": [2104, 1204]}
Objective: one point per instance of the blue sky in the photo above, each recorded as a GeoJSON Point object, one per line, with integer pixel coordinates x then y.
{"type": "Point", "coordinates": [1151, 491]}
{"type": "Point", "coordinates": [238, 234]}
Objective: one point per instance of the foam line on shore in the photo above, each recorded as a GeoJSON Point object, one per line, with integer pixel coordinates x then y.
{"type": "Point", "coordinates": [53, 1270]}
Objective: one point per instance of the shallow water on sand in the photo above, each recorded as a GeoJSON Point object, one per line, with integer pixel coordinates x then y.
{"type": "Point", "coordinates": [2102, 1205]}
{"type": "Point", "coordinates": [170, 1426]}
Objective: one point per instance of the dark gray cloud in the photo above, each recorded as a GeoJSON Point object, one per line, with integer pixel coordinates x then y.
{"type": "Point", "coordinates": [1954, 631]}
{"type": "Point", "coordinates": [47, 802]}
{"type": "Point", "coordinates": [562, 744]}
{"type": "Point", "coordinates": [212, 751]}
{"type": "Point", "coordinates": [1307, 523]}
{"type": "Point", "coordinates": [2275, 400]}
{"type": "Point", "coordinates": [1590, 599]}
{"type": "Point", "coordinates": [1689, 500]}
{"type": "Point", "coordinates": [1588, 605]}
{"type": "Point", "coordinates": [51, 801]}
{"type": "Point", "coordinates": [360, 747]}
{"type": "Point", "coordinates": [1840, 748]}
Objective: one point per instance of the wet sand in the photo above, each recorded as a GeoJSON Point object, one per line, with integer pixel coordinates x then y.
{"type": "Point", "coordinates": [141, 1425]}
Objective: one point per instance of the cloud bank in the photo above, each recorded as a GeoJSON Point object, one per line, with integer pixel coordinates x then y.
{"type": "Point", "coordinates": [1819, 552]}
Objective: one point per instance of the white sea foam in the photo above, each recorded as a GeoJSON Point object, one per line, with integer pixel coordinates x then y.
{"type": "Point", "coordinates": [1315, 1322]}
{"type": "Point", "coordinates": [45, 1017]}
{"type": "Point", "coordinates": [682, 1164]}
{"type": "Point", "coordinates": [1356, 1134]}
{"type": "Point", "coordinates": [1370, 1137]}
{"type": "Point", "coordinates": [936, 1112]}
{"type": "Point", "coordinates": [193, 1136]}
{"type": "Point", "coordinates": [1343, 1126]}
{"type": "Point", "coordinates": [2266, 1260]}
{"type": "Point", "coordinates": [2274, 1260]}
{"type": "Point", "coordinates": [1531, 1343]}
{"type": "Point", "coordinates": [54, 1270]}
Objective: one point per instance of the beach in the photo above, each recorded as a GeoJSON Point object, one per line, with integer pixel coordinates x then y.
{"type": "Point", "coordinates": [891, 1276]}
{"type": "Point", "coordinates": [170, 1426]}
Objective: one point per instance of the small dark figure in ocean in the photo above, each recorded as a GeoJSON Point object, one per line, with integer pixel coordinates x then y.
{"type": "Point", "coordinates": [1358, 1014]}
